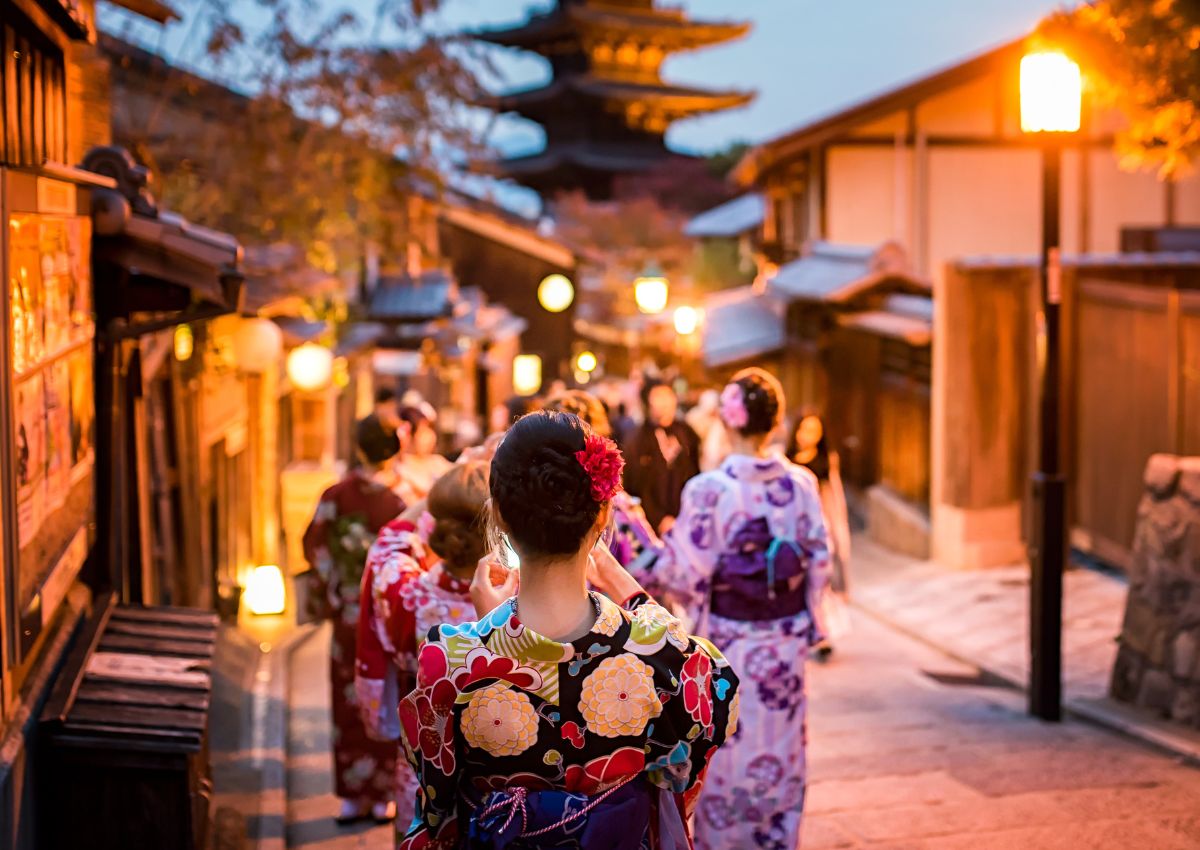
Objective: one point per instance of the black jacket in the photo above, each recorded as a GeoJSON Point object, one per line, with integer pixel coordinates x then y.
{"type": "Point", "coordinates": [648, 475]}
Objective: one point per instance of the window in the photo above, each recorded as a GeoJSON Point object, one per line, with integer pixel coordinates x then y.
{"type": "Point", "coordinates": [33, 91]}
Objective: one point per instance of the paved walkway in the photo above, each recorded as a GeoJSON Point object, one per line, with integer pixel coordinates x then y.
{"type": "Point", "coordinates": [908, 753]}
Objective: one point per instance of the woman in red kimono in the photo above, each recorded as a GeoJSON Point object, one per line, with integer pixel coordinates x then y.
{"type": "Point", "coordinates": [406, 591]}
{"type": "Point", "coordinates": [343, 528]}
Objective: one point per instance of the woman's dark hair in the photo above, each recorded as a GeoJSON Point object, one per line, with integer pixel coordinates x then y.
{"type": "Point", "coordinates": [763, 397]}
{"type": "Point", "coordinates": [649, 385]}
{"type": "Point", "coordinates": [539, 489]}
{"type": "Point", "coordinates": [375, 442]}
{"type": "Point", "coordinates": [584, 405]}
{"type": "Point", "coordinates": [518, 406]}
{"type": "Point", "coordinates": [384, 394]}
{"type": "Point", "coordinates": [819, 465]}
{"type": "Point", "coordinates": [456, 502]}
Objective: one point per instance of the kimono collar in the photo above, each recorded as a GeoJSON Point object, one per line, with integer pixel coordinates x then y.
{"type": "Point", "coordinates": [746, 468]}
{"type": "Point", "coordinates": [536, 647]}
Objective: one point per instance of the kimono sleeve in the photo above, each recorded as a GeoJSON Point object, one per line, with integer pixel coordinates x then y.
{"type": "Point", "coordinates": [322, 575]}
{"type": "Point", "coordinates": [695, 721]}
{"type": "Point", "coordinates": [812, 534]}
{"type": "Point", "coordinates": [431, 743]}
{"type": "Point", "coordinates": [683, 569]}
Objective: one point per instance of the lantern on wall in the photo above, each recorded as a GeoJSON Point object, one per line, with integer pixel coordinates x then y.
{"type": "Point", "coordinates": [1051, 93]}
{"type": "Point", "coordinates": [257, 343]}
{"type": "Point", "coordinates": [310, 367]}
{"type": "Point", "coordinates": [650, 290]}
{"type": "Point", "coordinates": [586, 362]}
{"type": "Point", "coordinates": [555, 293]}
{"type": "Point", "coordinates": [185, 343]}
{"type": "Point", "coordinates": [265, 593]}
{"type": "Point", "coordinates": [687, 320]}
{"type": "Point", "coordinates": [527, 374]}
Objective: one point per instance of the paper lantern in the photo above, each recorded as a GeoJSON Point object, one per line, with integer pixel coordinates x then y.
{"type": "Point", "coordinates": [527, 374]}
{"type": "Point", "coordinates": [265, 592]}
{"type": "Point", "coordinates": [310, 367]}
{"type": "Point", "coordinates": [555, 293]}
{"type": "Point", "coordinates": [257, 343]}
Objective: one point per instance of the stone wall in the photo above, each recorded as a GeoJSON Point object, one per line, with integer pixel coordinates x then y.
{"type": "Point", "coordinates": [1158, 664]}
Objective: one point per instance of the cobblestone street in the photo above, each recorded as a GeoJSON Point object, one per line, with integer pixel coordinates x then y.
{"type": "Point", "coordinates": [908, 752]}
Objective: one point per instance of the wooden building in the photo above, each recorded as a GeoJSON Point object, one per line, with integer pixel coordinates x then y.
{"type": "Point", "coordinates": [940, 167]}
{"type": "Point", "coordinates": [607, 108]}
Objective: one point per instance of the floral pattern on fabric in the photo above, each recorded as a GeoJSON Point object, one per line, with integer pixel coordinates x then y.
{"type": "Point", "coordinates": [581, 717]}
{"type": "Point", "coordinates": [752, 525]}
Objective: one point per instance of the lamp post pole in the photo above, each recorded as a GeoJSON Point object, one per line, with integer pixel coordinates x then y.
{"type": "Point", "coordinates": [1049, 551]}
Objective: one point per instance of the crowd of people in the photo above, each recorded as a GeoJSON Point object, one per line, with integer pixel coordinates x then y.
{"type": "Point", "coordinates": [590, 630]}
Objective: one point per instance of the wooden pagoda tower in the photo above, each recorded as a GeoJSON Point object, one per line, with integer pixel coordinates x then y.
{"type": "Point", "coordinates": [607, 108]}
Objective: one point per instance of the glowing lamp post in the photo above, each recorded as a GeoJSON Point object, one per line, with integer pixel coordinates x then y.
{"type": "Point", "coordinates": [1051, 94]}
{"type": "Point", "coordinates": [265, 592]}
{"type": "Point", "coordinates": [650, 291]}
{"type": "Point", "coordinates": [687, 320]}
{"type": "Point", "coordinates": [527, 374]}
{"type": "Point", "coordinates": [310, 367]}
{"type": "Point", "coordinates": [586, 362]}
{"type": "Point", "coordinates": [555, 293]}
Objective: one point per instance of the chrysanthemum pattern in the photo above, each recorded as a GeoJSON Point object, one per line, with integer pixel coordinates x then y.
{"type": "Point", "coordinates": [500, 721]}
{"type": "Point", "coordinates": [618, 698]}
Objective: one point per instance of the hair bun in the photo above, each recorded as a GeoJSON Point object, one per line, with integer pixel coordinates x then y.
{"type": "Point", "coordinates": [762, 400]}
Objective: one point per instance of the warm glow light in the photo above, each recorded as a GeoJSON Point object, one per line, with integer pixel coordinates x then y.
{"type": "Point", "coordinates": [1051, 91]}
{"type": "Point", "coordinates": [650, 293]}
{"type": "Point", "coordinates": [185, 343]}
{"type": "Point", "coordinates": [310, 367]}
{"type": "Point", "coordinates": [264, 591]}
{"type": "Point", "coordinates": [586, 362]}
{"type": "Point", "coordinates": [257, 344]}
{"type": "Point", "coordinates": [687, 320]}
{"type": "Point", "coordinates": [555, 293]}
{"type": "Point", "coordinates": [527, 374]}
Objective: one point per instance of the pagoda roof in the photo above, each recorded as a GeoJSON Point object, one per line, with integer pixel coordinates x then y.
{"type": "Point", "coordinates": [580, 164]}
{"type": "Point", "coordinates": [669, 27]}
{"type": "Point", "coordinates": [682, 100]}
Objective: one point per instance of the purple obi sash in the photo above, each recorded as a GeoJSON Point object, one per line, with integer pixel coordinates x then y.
{"type": "Point", "coordinates": [762, 577]}
{"type": "Point", "coordinates": [518, 818]}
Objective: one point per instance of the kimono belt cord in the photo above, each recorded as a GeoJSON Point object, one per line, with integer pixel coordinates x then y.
{"type": "Point", "coordinates": [515, 800]}
{"type": "Point", "coordinates": [777, 544]}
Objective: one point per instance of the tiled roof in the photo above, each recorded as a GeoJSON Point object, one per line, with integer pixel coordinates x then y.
{"type": "Point", "coordinates": [836, 273]}
{"type": "Point", "coordinates": [732, 218]}
{"type": "Point", "coordinates": [741, 324]}
{"type": "Point", "coordinates": [405, 299]}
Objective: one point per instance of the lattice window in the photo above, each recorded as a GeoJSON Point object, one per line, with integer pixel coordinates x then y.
{"type": "Point", "coordinates": [33, 93]}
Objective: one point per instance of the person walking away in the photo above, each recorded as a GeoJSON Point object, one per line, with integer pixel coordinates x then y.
{"type": "Point", "coordinates": [809, 447]}
{"type": "Point", "coordinates": [629, 534]}
{"type": "Point", "coordinates": [420, 465]}
{"type": "Point", "coordinates": [664, 455]}
{"type": "Point", "coordinates": [412, 584]}
{"type": "Point", "coordinates": [347, 519]}
{"type": "Point", "coordinates": [561, 718]}
{"type": "Point", "coordinates": [748, 560]}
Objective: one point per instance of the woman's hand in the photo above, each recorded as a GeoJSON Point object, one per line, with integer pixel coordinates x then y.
{"type": "Point", "coordinates": [493, 584]}
{"type": "Point", "coordinates": [606, 575]}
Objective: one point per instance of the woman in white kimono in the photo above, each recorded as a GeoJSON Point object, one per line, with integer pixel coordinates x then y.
{"type": "Point", "coordinates": [748, 560]}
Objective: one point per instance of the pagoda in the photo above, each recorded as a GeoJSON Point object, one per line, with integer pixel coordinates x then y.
{"type": "Point", "coordinates": [606, 109]}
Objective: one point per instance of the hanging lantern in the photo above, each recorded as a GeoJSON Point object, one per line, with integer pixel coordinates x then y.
{"type": "Point", "coordinates": [555, 293]}
{"type": "Point", "coordinates": [1051, 93]}
{"type": "Point", "coordinates": [310, 367]}
{"type": "Point", "coordinates": [586, 362]}
{"type": "Point", "coordinates": [265, 592]}
{"type": "Point", "coordinates": [650, 291]}
{"type": "Point", "coordinates": [687, 320]}
{"type": "Point", "coordinates": [257, 343]}
{"type": "Point", "coordinates": [527, 374]}
{"type": "Point", "coordinates": [185, 343]}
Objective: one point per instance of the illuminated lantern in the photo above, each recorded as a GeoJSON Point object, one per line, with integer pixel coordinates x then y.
{"type": "Point", "coordinates": [586, 362]}
{"type": "Point", "coordinates": [527, 374]}
{"type": "Point", "coordinates": [257, 343]}
{"type": "Point", "coordinates": [555, 293]}
{"type": "Point", "coordinates": [650, 291]}
{"type": "Point", "coordinates": [185, 343]}
{"type": "Point", "coordinates": [687, 320]}
{"type": "Point", "coordinates": [1051, 92]}
{"type": "Point", "coordinates": [264, 591]}
{"type": "Point", "coordinates": [310, 367]}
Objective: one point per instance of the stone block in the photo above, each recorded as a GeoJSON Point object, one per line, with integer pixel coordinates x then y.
{"type": "Point", "coordinates": [1157, 691]}
{"type": "Point", "coordinates": [1140, 626]}
{"type": "Point", "coordinates": [1161, 475]}
{"type": "Point", "coordinates": [1184, 654]}
{"type": "Point", "coordinates": [1185, 707]}
{"type": "Point", "coordinates": [1189, 479]}
{"type": "Point", "coordinates": [1127, 675]}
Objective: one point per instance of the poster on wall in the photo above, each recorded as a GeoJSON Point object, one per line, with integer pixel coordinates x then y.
{"type": "Point", "coordinates": [82, 412]}
{"type": "Point", "coordinates": [30, 408]}
{"type": "Point", "coordinates": [58, 434]}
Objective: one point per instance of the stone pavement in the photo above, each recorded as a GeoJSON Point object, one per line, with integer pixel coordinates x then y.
{"type": "Point", "coordinates": [981, 617]}
{"type": "Point", "coordinates": [908, 752]}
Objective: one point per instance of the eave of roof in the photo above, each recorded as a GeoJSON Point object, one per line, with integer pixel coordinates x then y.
{"type": "Point", "coordinates": [155, 10]}
{"type": "Point", "coordinates": [680, 99]}
{"type": "Point", "coordinates": [763, 157]}
{"type": "Point", "coordinates": [732, 218]}
{"type": "Point", "coordinates": [668, 24]}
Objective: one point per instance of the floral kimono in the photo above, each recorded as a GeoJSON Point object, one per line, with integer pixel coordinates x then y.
{"type": "Point", "coordinates": [401, 602]}
{"type": "Point", "coordinates": [347, 519]}
{"type": "Point", "coordinates": [747, 560]}
{"type": "Point", "coordinates": [630, 534]}
{"type": "Point", "coordinates": [520, 741]}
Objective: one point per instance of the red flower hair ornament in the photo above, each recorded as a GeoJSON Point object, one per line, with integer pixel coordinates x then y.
{"type": "Point", "coordinates": [602, 461]}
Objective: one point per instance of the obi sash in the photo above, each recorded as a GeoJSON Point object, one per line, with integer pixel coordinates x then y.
{"type": "Point", "coordinates": [761, 577]}
{"type": "Point", "coordinates": [517, 818]}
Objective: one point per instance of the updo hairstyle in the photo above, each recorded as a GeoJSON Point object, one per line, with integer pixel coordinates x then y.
{"type": "Point", "coordinates": [584, 405]}
{"type": "Point", "coordinates": [539, 489]}
{"type": "Point", "coordinates": [762, 395]}
{"type": "Point", "coordinates": [457, 501]}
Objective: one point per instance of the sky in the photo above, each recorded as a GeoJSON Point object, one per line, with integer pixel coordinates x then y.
{"type": "Point", "coordinates": [803, 58]}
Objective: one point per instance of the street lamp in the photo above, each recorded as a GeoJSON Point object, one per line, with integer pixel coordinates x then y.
{"type": "Point", "coordinates": [527, 374]}
{"type": "Point", "coordinates": [687, 320]}
{"type": "Point", "coordinates": [650, 290]}
{"type": "Point", "coordinates": [1051, 92]}
{"type": "Point", "coordinates": [310, 367]}
{"type": "Point", "coordinates": [555, 293]}
{"type": "Point", "coordinates": [586, 362]}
